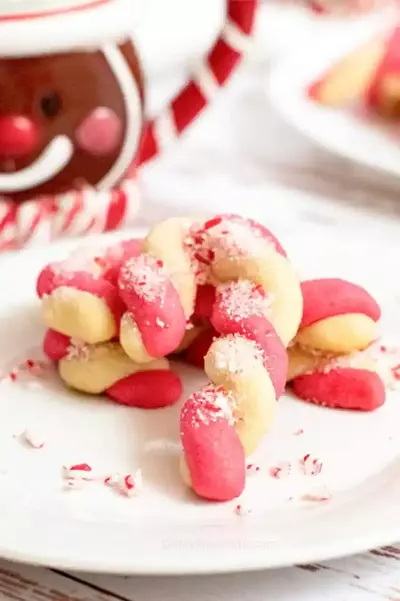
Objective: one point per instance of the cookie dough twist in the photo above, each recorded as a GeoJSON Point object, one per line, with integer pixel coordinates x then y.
{"type": "Point", "coordinates": [256, 310]}
{"type": "Point", "coordinates": [104, 368]}
{"type": "Point", "coordinates": [330, 360]}
{"type": "Point", "coordinates": [79, 296]}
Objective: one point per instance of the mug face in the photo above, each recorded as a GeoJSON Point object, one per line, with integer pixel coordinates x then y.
{"type": "Point", "coordinates": [68, 120]}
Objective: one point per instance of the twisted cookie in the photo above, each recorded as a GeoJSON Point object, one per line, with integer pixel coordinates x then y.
{"type": "Point", "coordinates": [79, 295]}
{"type": "Point", "coordinates": [105, 368]}
{"type": "Point", "coordinates": [256, 311]}
{"type": "Point", "coordinates": [329, 362]}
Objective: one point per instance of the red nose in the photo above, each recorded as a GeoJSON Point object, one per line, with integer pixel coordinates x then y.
{"type": "Point", "coordinates": [19, 136]}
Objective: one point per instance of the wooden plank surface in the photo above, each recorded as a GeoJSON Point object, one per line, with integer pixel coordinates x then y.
{"type": "Point", "coordinates": [371, 577]}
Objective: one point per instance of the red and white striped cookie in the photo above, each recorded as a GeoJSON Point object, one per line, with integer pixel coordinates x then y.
{"type": "Point", "coordinates": [329, 362]}
{"type": "Point", "coordinates": [79, 295]}
{"type": "Point", "coordinates": [214, 462]}
{"type": "Point", "coordinates": [105, 369]}
{"type": "Point", "coordinates": [338, 316]}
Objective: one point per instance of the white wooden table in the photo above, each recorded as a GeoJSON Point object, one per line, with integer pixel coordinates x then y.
{"type": "Point", "coordinates": [241, 152]}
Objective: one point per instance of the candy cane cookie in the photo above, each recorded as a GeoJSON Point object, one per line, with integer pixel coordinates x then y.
{"type": "Point", "coordinates": [79, 295]}
{"type": "Point", "coordinates": [257, 310]}
{"type": "Point", "coordinates": [105, 368]}
{"type": "Point", "coordinates": [330, 362]}
{"type": "Point", "coordinates": [159, 289]}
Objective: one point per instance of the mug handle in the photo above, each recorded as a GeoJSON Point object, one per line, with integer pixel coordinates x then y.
{"type": "Point", "coordinates": [219, 64]}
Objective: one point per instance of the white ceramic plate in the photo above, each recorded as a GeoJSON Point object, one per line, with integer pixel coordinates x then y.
{"type": "Point", "coordinates": [336, 130]}
{"type": "Point", "coordinates": [165, 530]}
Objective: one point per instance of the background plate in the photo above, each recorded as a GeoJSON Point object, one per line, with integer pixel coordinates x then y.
{"type": "Point", "coordinates": [336, 130]}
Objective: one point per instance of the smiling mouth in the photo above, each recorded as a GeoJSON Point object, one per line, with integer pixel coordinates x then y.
{"type": "Point", "coordinates": [54, 159]}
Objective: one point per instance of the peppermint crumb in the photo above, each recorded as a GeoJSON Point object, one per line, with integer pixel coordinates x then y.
{"type": "Point", "coordinates": [242, 510]}
{"type": "Point", "coordinates": [146, 276]}
{"type": "Point", "coordinates": [32, 439]}
{"type": "Point", "coordinates": [210, 404]}
{"type": "Point", "coordinates": [78, 472]}
{"type": "Point", "coordinates": [160, 323]}
{"type": "Point", "coordinates": [27, 371]}
{"type": "Point", "coordinates": [74, 484]}
{"type": "Point", "coordinates": [226, 238]}
{"type": "Point", "coordinates": [310, 466]}
{"type": "Point", "coordinates": [128, 485]}
{"type": "Point", "coordinates": [282, 470]}
{"type": "Point", "coordinates": [77, 350]}
{"type": "Point", "coordinates": [236, 354]}
{"type": "Point", "coordinates": [298, 432]}
{"type": "Point", "coordinates": [252, 468]}
{"type": "Point", "coordinates": [396, 372]}
{"type": "Point", "coordinates": [242, 299]}
{"type": "Point", "coordinates": [317, 496]}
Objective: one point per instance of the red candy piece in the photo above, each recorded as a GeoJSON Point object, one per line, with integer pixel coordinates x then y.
{"type": "Point", "coordinates": [154, 304]}
{"type": "Point", "coordinates": [55, 345]}
{"type": "Point", "coordinates": [342, 388]}
{"type": "Point", "coordinates": [195, 353]}
{"type": "Point", "coordinates": [330, 297]}
{"type": "Point", "coordinates": [147, 389]}
{"type": "Point", "coordinates": [213, 451]}
{"type": "Point", "coordinates": [236, 312]}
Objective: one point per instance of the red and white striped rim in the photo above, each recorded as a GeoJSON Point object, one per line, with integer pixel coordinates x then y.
{"type": "Point", "coordinates": [77, 213]}
{"type": "Point", "coordinates": [208, 78]}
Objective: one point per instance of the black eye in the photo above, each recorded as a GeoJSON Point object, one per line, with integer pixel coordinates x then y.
{"type": "Point", "coordinates": [50, 105]}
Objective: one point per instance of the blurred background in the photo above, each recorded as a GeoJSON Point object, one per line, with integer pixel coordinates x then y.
{"type": "Point", "coordinates": [243, 147]}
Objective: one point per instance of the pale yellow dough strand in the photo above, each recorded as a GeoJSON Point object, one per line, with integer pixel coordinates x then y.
{"type": "Point", "coordinates": [280, 281]}
{"type": "Point", "coordinates": [250, 384]}
{"type": "Point", "coordinates": [339, 334]}
{"type": "Point", "coordinates": [78, 314]}
{"type": "Point", "coordinates": [104, 365]}
{"type": "Point", "coordinates": [165, 241]}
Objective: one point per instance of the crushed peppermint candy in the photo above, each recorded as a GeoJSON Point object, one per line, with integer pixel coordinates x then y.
{"type": "Point", "coordinates": [236, 354]}
{"type": "Point", "coordinates": [146, 276]}
{"type": "Point", "coordinates": [78, 472]}
{"type": "Point", "coordinates": [396, 372]}
{"type": "Point", "coordinates": [77, 350]}
{"type": "Point", "coordinates": [221, 238]}
{"type": "Point", "coordinates": [211, 404]}
{"type": "Point", "coordinates": [384, 359]}
{"type": "Point", "coordinates": [243, 510]}
{"type": "Point", "coordinates": [282, 470]}
{"type": "Point", "coordinates": [27, 371]}
{"type": "Point", "coordinates": [243, 299]}
{"type": "Point", "coordinates": [252, 468]}
{"type": "Point", "coordinates": [128, 485]}
{"type": "Point", "coordinates": [74, 484]}
{"type": "Point", "coordinates": [310, 466]}
{"type": "Point", "coordinates": [317, 496]}
{"type": "Point", "coordinates": [298, 432]}
{"type": "Point", "coordinates": [31, 438]}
